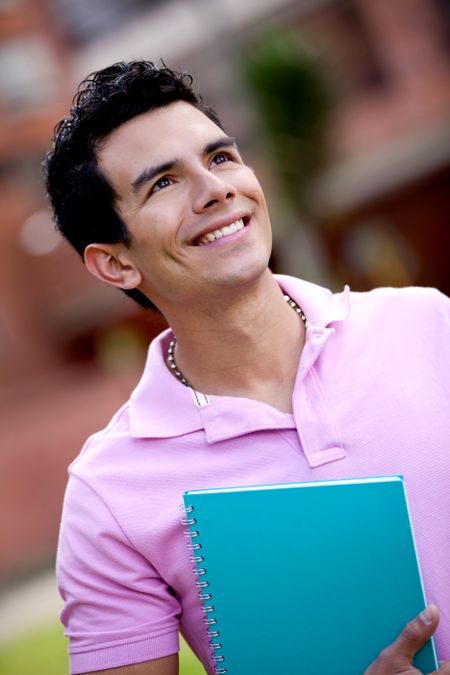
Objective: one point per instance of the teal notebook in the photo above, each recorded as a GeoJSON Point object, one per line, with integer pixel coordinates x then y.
{"type": "Point", "coordinates": [309, 578]}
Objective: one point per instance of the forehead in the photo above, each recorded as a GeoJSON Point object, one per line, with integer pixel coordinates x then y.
{"type": "Point", "coordinates": [160, 135]}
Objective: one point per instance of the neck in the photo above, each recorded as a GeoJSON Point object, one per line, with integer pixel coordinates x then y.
{"type": "Point", "coordinates": [249, 346]}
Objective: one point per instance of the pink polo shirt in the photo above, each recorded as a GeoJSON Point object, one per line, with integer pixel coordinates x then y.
{"type": "Point", "coordinates": [372, 397]}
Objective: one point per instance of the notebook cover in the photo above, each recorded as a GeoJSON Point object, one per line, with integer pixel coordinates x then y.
{"type": "Point", "coordinates": [314, 578]}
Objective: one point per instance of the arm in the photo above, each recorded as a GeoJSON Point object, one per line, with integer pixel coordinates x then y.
{"type": "Point", "coordinates": [118, 610]}
{"type": "Point", "coordinates": [165, 666]}
{"type": "Point", "coordinates": [397, 658]}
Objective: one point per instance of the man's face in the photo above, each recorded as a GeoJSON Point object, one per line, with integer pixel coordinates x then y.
{"type": "Point", "coordinates": [196, 213]}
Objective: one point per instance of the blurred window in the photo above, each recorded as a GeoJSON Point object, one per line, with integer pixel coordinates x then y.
{"type": "Point", "coordinates": [347, 46]}
{"type": "Point", "coordinates": [27, 72]}
{"type": "Point", "coordinates": [443, 8]}
{"type": "Point", "coordinates": [84, 20]}
{"type": "Point", "coordinates": [22, 172]}
{"type": "Point", "coordinates": [6, 5]}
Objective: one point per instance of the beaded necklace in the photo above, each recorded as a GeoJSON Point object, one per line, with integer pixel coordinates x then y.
{"type": "Point", "coordinates": [172, 364]}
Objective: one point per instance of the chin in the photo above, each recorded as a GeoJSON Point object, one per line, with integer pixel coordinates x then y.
{"type": "Point", "coordinates": [242, 275]}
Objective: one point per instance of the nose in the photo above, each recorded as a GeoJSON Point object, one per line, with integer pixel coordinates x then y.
{"type": "Point", "coordinates": [211, 189]}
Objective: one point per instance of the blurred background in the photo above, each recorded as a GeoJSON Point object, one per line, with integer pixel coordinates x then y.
{"type": "Point", "coordinates": [341, 106]}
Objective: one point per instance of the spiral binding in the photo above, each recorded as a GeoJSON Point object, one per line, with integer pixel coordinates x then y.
{"type": "Point", "coordinates": [205, 596]}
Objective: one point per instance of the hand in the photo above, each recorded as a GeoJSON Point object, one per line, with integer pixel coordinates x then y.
{"type": "Point", "coordinates": [397, 658]}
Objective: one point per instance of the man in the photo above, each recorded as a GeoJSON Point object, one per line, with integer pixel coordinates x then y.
{"type": "Point", "coordinates": [267, 380]}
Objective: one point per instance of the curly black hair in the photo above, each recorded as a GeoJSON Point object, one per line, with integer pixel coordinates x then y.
{"type": "Point", "coordinates": [80, 195]}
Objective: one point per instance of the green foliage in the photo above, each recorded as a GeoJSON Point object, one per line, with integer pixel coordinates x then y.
{"type": "Point", "coordinates": [43, 651]}
{"type": "Point", "coordinates": [286, 78]}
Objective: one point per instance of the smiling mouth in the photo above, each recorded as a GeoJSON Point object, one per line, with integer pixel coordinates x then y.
{"type": "Point", "coordinates": [222, 232]}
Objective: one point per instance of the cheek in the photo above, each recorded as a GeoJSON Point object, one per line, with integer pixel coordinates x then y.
{"type": "Point", "coordinates": [165, 212]}
{"type": "Point", "coordinates": [152, 227]}
{"type": "Point", "coordinates": [251, 186]}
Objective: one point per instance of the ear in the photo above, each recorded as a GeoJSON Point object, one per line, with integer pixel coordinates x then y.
{"type": "Point", "coordinates": [111, 264]}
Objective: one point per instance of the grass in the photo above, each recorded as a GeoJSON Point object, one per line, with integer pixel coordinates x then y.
{"type": "Point", "coordinates": [43, 651]}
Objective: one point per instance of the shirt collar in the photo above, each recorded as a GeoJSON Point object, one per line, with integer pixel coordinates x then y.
{"type": "Point", "coordinates": [320, 305]}
{"type": "Point", "coordinates": [162, 407]}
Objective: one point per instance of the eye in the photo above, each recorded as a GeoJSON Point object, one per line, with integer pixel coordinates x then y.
{"type": "Point", "coordinates": [160, 184]}
{"type": "Point", "coordinates": [221, 157]}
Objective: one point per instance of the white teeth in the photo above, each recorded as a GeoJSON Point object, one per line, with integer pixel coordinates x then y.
{"type": "Point", "coordinates": [223, 232]}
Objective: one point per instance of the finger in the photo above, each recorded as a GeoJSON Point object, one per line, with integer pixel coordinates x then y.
{"type": "Point", "coordinates": [444, 669]}
{"type": "Point", "coordinates": [414, 635]}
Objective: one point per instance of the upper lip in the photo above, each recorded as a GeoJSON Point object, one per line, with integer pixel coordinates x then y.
{"type": "Point", "coordinates": [218, 224]}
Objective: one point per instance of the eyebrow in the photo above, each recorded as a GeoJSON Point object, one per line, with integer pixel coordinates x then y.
{"type": "Point", "coordinates": [151, 172]}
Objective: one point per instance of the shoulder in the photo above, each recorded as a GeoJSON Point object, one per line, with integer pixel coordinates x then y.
{"type": "Point", "coordinates": [401, 323]}
{"type": "Point", "coordinates": [111, 446]}
{"type": "Point", "coordinates": [106, 446]}
{"type": "Point", "coordinates": [405, 294]}
{"type": "Point", "coordinates": [403, 304]}
{"type": "Point", "coordinates": [323, 306]}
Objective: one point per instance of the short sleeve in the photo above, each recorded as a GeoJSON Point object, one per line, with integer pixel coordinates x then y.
{"type": "Point", "coordinates": [118, 610]}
